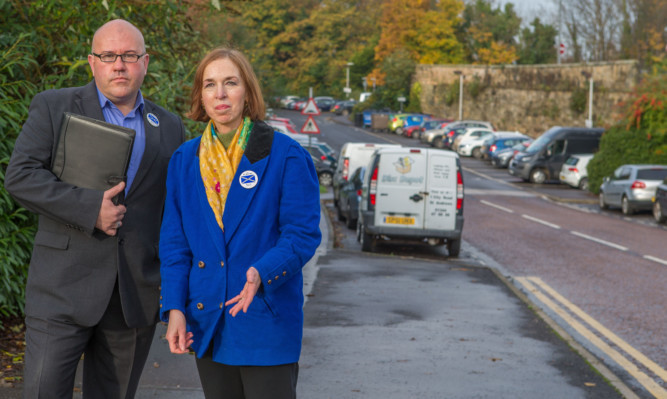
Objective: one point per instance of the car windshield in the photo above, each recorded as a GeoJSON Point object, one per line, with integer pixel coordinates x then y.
{"type": "Point", "coordinates": [652, 174]}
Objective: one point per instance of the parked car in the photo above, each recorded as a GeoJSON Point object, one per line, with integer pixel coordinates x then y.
{"type": "Point", "coordinates": [499, 143]}
{"type": "Point", "coordinates": [632, 187]}
{"type": "Point", "coordinates": [317, 149]}
{"type": "Point", "coordinates": [410, 124]}
{"type": "Point", "coordinates": [343, 107]}
{"type": "Point", "coordinates": [471, 132]}
{"type": "Point", "coordinates": [396, 121]}
{"type": "Point", "coordinates": [574, 172]}
{"type": "Point", "coordinates": [502, 158]}
{"type": "Point", "coordinates": [430, 124]}
{"type": "Point", "coordinates": [324, 103]}
{"type": "Point", "coordinates": [412, 194]}
{"type": "Point", "coordinates": [447, 137]}
{"type": "Point", "coordinates": [324, 171]}
{"type": "Point", "coordinates": [474, 146]}
{"type": "Point", "coordinates": [349, 197]}
{"type": "Point", "coordinates": [660, 203]}
{"type": "Point", "coordinates": [544, 158]}
{"type": "Point", "coordinates": [286, 100]}
{"type": "Point", "coordinates": [352, 156]}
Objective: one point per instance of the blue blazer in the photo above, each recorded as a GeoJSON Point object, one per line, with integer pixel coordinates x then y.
{"type": "Point", "coordinates": [271, 222]}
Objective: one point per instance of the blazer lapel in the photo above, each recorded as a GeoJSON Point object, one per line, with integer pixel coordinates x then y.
{"type": "Point", "coordinates": [249, 177]}
{"type": "Point", "coordinates": [89, 102]}
{"type": "Point", "coordinates": [152, 148]}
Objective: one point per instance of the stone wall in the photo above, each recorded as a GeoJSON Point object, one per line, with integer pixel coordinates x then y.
{"type": "Point", "coordinates": [528, 98]}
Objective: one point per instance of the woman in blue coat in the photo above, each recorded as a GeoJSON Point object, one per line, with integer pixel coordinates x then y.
{"type": "Point", "coordinates": [241, 219]}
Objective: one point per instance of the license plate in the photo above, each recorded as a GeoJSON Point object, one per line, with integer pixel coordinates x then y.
{"type": "Point", "coordinates": [399, 220]}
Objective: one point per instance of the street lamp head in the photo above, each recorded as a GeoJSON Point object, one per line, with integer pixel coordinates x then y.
{"type": "Point", "coordinates": [350, 63]}
{"type": "Point", "coordinates": [586, 74]}
{"type": "Point", "coordinates": [457, 72]}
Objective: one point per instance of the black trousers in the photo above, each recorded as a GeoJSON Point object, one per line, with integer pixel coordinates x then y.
{"type": "Point", "coordinates": [221, 381]}
{"type": "Point", "coordinates": [114, 356]}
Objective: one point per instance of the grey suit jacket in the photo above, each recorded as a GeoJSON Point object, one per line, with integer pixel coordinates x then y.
{"type": "Point", "coordinates": [74, 266]}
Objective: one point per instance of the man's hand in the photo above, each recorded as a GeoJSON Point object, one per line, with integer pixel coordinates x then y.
{"type": "Point", "coordinates": [244, 299]}
{"type": "Point", "coordinates": [179, 341]}
{"type": "Point", "coordinates": [110, 217]}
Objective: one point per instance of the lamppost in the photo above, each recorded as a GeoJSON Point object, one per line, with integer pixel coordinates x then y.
{"type": "Point", "coordinates": [589, 75]}
{"type": "Point", "coordinates": [364, 82]}
{"type": "Point", "coordinates": [373, 79]}
{"type": "Point", "coordinates": [460, 93]}
{"type": "Point", "coordinates": [347, 79]}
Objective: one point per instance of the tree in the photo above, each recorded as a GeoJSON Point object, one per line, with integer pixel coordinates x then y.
{"type": "Point", "coordinates": [597, 23]}
{"type": "Point", "coordinates": [537, 44]}
{"type": "Point", "coordinates": [642, 27]}
{"type": "Point", "coordinates": [489, 33]}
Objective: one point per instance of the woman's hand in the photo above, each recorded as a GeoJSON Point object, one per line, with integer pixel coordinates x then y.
{"type": "Point", "coordinates": [243, 300]}
{"type": "Point", "coordinates": [178, 340]}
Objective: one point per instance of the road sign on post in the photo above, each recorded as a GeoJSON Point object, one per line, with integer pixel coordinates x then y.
{"type": "Point", "coordinates": [310, 108]}
{"type": "Point", "coordinates": [310, 126]}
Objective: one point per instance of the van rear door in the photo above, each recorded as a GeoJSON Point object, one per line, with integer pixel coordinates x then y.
{"type": "Point", "coordinates": [441, 184]}
{"type": "Point", "coordinates": [401, 185]}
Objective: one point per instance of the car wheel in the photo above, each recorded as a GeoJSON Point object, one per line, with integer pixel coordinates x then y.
{"type": "Point", "coordinates": [399, 131]}
{"type": "Point", "coordinates": [477, 153]}
{"type": "Point", "coordinates": [454, 247]}
{"type": "Point", "coordinates": [326, 179]}
{"type": "Point", "coordinates": [537, 176]}
{"type": "Point", "coordinates": [358, 231]}
{"type": "Point", "coordinates": [494, 162]}
{"type": "Point", "coordinates": [583, 184]}
{"type": "Point", "coordinates": [603, 205]}
{"type": "Point", "coordinates": [625, 206]}
{"type": "Point", "coordinates": [438, 143]}
{"type": "Point", "coordinates": [657, 213]}
{"type": "Point", "coordinates": [346, 112]}
{"type": "Point", "coordinates": [368, 241]}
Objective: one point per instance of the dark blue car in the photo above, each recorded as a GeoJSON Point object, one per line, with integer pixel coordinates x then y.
{"type": "Point", "coordinates": [496, 144]}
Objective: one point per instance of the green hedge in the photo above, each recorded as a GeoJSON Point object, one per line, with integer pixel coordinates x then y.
{"type": "Point", "coordinates": [44, 45]}
{"type": "Point", "coordinates": [640, 137]}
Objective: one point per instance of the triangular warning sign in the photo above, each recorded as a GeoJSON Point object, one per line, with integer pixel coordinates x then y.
{"type": "Point", "coordinates": [310, 108]}
{"type": "Point", "coordinates": [310, 126]}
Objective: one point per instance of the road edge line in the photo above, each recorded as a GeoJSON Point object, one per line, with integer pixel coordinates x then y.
{"type": "Point", "coordinates": [592, 360]}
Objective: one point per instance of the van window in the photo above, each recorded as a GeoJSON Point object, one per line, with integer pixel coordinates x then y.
{"type": "Point", "coordinates": [584, 145]}
{"type": "Point", "coordinates": [555, 148]}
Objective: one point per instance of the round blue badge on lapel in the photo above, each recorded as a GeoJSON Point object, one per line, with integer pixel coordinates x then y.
{"type": "Point", "coordinates": [152, 119]}
{"type": "Point", "coordinates": [248, 179]}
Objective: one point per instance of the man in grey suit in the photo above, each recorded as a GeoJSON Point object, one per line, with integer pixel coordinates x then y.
{"type": "Point", "coordinates": [94, 277]}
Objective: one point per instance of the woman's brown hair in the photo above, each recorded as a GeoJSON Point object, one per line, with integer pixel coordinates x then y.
{"type": "Point", "coordinates": [254, 108]}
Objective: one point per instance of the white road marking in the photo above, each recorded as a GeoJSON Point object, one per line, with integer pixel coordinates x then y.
{"type": "Point", "coordinates": [544, 222]}
{"type": "Point", "coordinates": [654, 259]}
{"type": "Point", "coordinates": [599, 241]}
{"type": "Point", "coordinates": [502, 208]}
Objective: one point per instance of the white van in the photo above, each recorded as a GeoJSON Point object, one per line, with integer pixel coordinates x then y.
{"type": "Point", "coordinates": [413, 194]}
{"type": "Point", "coordinates": [352, 156]}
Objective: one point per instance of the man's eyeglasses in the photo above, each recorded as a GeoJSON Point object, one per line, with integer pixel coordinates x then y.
{"type": "Point", "coordinates": [111, 57]}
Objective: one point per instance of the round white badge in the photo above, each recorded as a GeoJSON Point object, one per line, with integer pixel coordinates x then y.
{"type": "Point", "coordinates": [152, 119]}
{"type": "Point", "coordinates": [248, 179]}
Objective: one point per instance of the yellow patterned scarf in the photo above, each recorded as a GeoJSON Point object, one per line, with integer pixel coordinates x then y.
{"type": "Point", "coordinates": [218, 165]}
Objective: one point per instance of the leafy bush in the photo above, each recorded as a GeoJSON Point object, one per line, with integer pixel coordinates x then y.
{"type": "Point", "coordinates": [44, 45]}
{"type": "Point", "coordinates": [640, 137]}
{"type": "Point", "coordinates": [578, 100]}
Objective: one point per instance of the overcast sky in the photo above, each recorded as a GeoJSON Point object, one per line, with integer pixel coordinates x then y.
{"type": "Point", "coordinates": [529, 9]}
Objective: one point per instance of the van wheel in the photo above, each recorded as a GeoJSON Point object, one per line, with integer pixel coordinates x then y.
{"type": "Point", "coordinates": [368, 241]}
{"type": "Point", "coordinates": [583, 184]}
{"type": "Point", "coordinates": [537, 176]}
{"type": "Point", "coordinates": [603, 205]}
{"type": "Point", "coordinates": [477, 153]}
{"type": "Point", "coordinates": [657, 213]}
{"type": "Point", "coordinates": [626, 208]}
{"type": "Point", "coordinates": [454, 247]}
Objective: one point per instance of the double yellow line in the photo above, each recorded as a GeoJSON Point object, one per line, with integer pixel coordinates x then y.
{"type": "Point", "coordinates": [566, 309]}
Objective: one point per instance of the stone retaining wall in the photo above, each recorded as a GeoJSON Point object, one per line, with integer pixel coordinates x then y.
{"type": "Point", "coordinates": [528, 98]}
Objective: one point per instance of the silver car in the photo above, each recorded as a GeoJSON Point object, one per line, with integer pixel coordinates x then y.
{"type": "Point", "coordinates": [632, 187]}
